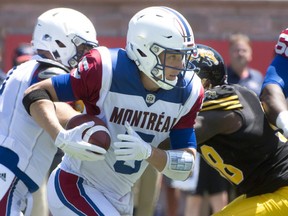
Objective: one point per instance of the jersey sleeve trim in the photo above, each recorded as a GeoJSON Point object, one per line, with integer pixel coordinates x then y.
{"type": "Point", "coordinates": [183, 138]}
{"type": "Point", "coordinates": [221, 98]}
{"type": "Point", "coordinates": [63, 87]}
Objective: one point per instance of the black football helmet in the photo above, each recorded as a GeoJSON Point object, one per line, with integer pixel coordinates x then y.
{"type": "Point", "coordinates": [209, 65]}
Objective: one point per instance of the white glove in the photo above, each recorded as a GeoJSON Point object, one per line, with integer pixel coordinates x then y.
{"type": "Point", "coordinates": [132, 146]}
{"type": "Point", "coordinates": [71, 142]}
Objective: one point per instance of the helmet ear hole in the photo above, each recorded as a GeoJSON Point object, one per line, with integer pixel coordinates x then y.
{"type": "Point", "coordinates": [142, 54]}
{"type": "Point", "coordinates": [60, 44]}
{"type": "Point", "coordinates": [47, 37]}
{"type": "Point", "coordinates": [56, 55]}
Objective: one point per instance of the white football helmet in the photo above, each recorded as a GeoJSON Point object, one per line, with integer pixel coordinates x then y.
{"type": "Point", "coordinates": [154, 30]}
{"type": "Point", "coordinates": [60, 31]}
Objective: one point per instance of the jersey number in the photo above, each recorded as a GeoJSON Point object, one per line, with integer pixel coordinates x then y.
{"type": "Point", "coordinates": [4, 82]}
{"type": "Point", "coordinates": [281, 47]}
{"type": "Point", "coordinates": [230, 172]}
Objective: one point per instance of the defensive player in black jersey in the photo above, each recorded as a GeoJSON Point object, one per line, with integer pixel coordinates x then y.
{"type": "Point", "coordinates": [235, 138]}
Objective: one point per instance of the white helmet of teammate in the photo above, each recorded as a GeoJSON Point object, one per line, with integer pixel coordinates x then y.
{"type": "Point", "coordinates": [61, 31]}
{"type": "Point", "coordinates": [154, 30]}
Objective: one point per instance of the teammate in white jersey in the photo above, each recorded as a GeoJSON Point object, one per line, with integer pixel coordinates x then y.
{"type": "Point", "coordinates": [145, 94]}
{"type": "Point", "coordinates": [60, 37]}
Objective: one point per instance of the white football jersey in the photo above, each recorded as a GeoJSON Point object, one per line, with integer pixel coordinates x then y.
{"type": "Point", "coordinates": [24, 147]}
{"type": "Point", "coordinates": [115, 93]}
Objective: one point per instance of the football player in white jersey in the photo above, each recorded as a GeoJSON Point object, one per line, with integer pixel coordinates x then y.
{"type": "Point", "coordinates": [60, 38]}
{"type": "Point", "coordinates": [145, 94]}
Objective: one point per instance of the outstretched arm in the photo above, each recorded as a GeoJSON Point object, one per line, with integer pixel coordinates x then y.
{"type": "Point", "coordinates": [43, 110]}
{"type": "Point", "coordinates": [273, 101]}
{"type": "Point", "coordinates": [39, 103]}
{"type": "Point", "coordinates": [275, 88]}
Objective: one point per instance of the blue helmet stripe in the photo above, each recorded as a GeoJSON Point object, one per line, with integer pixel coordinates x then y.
{"type": "Point", "coordinates": [184, 23]}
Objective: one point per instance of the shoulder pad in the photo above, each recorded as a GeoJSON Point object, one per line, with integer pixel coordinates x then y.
{"type": "Point", "coordinates": [50, 68]}
{"type": "Point", "coordinates": [51, 63]}
{"type": "Point", "coordinates": [50, 72]}
{"type": "Point", "coordinates": [221, 98]}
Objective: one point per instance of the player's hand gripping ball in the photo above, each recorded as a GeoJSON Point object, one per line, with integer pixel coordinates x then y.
{"type": "Point", "coordinates": [98, 134]}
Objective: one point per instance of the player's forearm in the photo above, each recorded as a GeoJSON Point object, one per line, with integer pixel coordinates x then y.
{"type": "Point", "coordinates": [175, 164]}
{"type": "Point", "coordinates": [158, 158]}
{"type": "Point", "coordinates": [43, 112]}
{"type": "Point", "coordinates": [64, 112]}
{"type": "Point", "coordinates": [273, 101]}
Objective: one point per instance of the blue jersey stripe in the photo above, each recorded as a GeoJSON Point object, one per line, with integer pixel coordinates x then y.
{"type": "Point", "coordinates": [277, 73]}
{"type": "Point", "coordinates": [183, 136]}
{"type": "Point", "coordinates": [63, 88]}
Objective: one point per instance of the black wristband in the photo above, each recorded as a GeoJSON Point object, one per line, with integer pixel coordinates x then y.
{"type": "Point", "coordinates": [33, 96]}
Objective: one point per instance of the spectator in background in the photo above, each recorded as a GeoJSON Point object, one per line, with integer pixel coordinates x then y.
{"type": "Point", "coordinates": [239, 72]}
{"type": "Point", "coordinates": [22, 53]}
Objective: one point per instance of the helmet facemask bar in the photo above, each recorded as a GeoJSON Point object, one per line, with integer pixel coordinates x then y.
{"type": "Point", "coordinates": [81, 46]}
{"type": "Point", "coordinates": [158, 73]}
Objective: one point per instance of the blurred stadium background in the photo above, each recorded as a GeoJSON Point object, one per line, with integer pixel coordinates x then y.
{"type": "Point", "coordinates": [212, 22]}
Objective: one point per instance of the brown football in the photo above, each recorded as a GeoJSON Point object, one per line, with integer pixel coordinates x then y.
{"type": "Point", "coordinates": [99, 134]}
